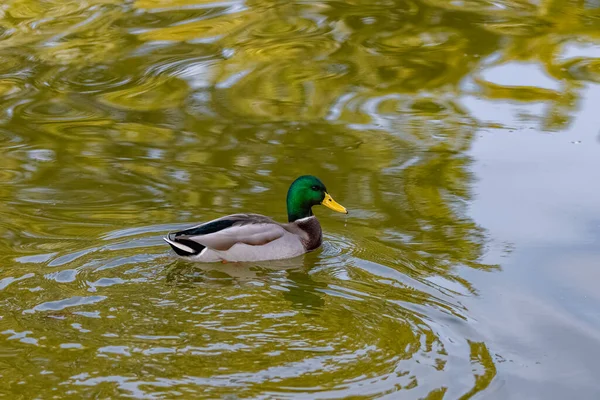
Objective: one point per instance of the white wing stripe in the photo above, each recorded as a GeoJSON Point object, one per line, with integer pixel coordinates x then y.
{"type": "Point", "coordinates": [180, 246]}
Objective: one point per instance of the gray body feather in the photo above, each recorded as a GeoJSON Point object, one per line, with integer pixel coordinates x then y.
{"type": "Point", "coordinates": [246, 237]}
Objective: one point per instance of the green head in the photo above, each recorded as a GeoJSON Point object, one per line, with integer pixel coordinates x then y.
{"type": "Point", "coordinates": [305, 192]}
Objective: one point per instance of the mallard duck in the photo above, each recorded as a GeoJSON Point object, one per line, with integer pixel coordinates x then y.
{"type": "Point", "coordinates": [254, 237]}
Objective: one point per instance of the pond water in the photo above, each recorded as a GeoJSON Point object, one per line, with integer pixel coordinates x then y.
{"type": "Point", "coordinates": [461, 135]}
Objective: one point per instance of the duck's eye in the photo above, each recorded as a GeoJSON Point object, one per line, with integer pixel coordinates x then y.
{"type": "Point", "coordinates": [315, 188]}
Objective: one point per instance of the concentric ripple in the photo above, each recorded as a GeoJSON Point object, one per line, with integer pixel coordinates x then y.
{"type": "Point", "coordinates": [151, 94]}
{"type": "Point", "coordinates": [301, 315]}
{"type": "Point", "coordinates": [88, 80]}
{"type": "Point", "coordinates": [277, 28]}
{"type": "Point", "coordinates": [283, 315]}
{"type": "Point", "coordinates": [57, 110]}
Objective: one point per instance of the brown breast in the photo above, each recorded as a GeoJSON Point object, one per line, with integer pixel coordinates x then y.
{"type": "Point", "coordinates": [314, 236]}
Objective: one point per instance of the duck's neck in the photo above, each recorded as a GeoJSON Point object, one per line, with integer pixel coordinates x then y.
{"type": "Point", "coordinates": [297, 211]}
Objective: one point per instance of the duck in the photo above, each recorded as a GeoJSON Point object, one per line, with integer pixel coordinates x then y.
{"type": "Point", "coordinates": [255, 237]}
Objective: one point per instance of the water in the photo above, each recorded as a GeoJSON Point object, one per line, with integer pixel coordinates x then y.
{"type": "Point", "coordinates": [462, 137]}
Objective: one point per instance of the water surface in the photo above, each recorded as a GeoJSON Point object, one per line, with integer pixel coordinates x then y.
{"type": "Point", "coordinates": [461, 135]}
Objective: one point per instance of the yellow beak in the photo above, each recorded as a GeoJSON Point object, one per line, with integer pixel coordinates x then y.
{"type": "Point", "coordinates": [329, 202]}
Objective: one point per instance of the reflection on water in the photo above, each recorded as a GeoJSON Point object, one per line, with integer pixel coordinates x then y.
{"type": "Point", "coordinates": [123, 120]}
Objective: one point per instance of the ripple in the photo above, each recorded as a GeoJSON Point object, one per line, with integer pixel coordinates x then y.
{"type": "Point", "coordinates": [401, 41]}
{"type": "Point", "coordinates": [50, 8]}
{"type": "Point", "coordinates": [36, 258]}
{"type": "Point", "coordinates": [4, 282]}
{"type": "Point", "coordinates": [22, 337]}
{"type": "Point", "coordinates": [202, 30]}
{"type": "Point", "coordinates": [121, 350]}
{"type": "Point", "coordinates": [66, 116]}
{"type": "Point", "coordinates": [78, 52]}
{"type": "Point", "coordinates": [379, 15]}
{"type": "Point", "coordinates": [59, 305]}
{"type": "Point", "coordinates": [57, 110]}
{"type": "Point", "coordinates": [336, 250]}
{"type": "Point", "coordinates": [283, 314]}
{"type": "Point", "coordinates": [88, 200]}
{"type": "Point", "coordinates": [155, 93]}
{"type": "Point", "coordinates": [290, 27]}
{"type": "Point", "coordinates": [89, 80]}
{"type": "Point", "coordinates": [142, 134]}
{"type": "Point", "coordinates": [12, 64]}
{"type": "Point", "coordinates": [484, 7]}
{"type": "Point", "coordinates": [525, 26]}
{"type": "Point", "coordinates": [9, 139]}
{"type": "Point", "coordinates": [105, 282]}
{"type": "Point", "coordinates": [9, 87]}
{"type": "Point", "coordinates": [181, 67]}
{"type": "Point", "coordinates": [5, 34]}
{"type": "Point", "coordinates": [293, 49]}
{"type": "Point", "coordinates": [583, 69]}
{"type": "Point", "coordinates": [64, 276]}
{"type": "Point", "coordinates": [71, 346]}
{"type": "Point", "coordinates": [142, 230]}
{"type": "Point", "coordinates": [166, 15]}
{"type": "Point", "coordinates": [279, 92]}
{"type": "Point", "coordinates": [12, 176]}
{"type": "Point", "coordinates": [159, 6]}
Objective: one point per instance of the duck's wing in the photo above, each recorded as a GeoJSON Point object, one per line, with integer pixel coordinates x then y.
{"type": "Point", "coordinates": [221, 234]}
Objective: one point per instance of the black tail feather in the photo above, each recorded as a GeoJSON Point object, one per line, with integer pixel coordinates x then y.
{"type": "Point", "coordinates": [195, 246]}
